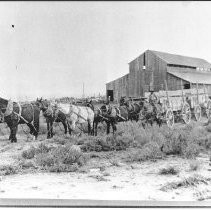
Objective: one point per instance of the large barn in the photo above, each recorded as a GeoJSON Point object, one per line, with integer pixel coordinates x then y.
{"type": "Point", "coordinates": [153, 70]}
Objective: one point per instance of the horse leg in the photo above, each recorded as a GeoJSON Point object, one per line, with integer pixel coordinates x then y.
{"type": "Point", "coordinates": [151, 122]}
{"type": "Point", "coordinates": [89, 127]}
{"type": "Point", "coordinates": [13, 131]}
{"type": "Point", "coordinates": [32, 130]}
{"type": "Point", "coordinates": [48, 127]}
{"type": "Point", "coordinates": [65, 127]}
{"type": "Point", "coordinates": [51, 129]}
{"type": "Point", "coordinates": [72, 125]}
{"type": "Point", "coordinates": [95, 127]}
{"type": "Point", "coordinates": [108, 127]}
{"type": "Point", "coordinates": [69, 127]}
{"type": "Point", "coordinates": [114, 127]}
{"type": "Point", "coordinates": [36, 123]}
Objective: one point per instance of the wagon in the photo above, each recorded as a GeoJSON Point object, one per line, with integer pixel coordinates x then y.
{"type": "Point", "coordinates": [183, 104]}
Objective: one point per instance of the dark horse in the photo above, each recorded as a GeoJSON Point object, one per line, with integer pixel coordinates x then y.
{"type": "Point", "coordinates": [150, 113]}
{"type": "Point", "coordinates": [52, 114]}
{"type": "Point", "coordinates": [110, 115]}
{"type": "Point", "coordinates": [133, 110]}
{"type": "Point", "coordinates": [14, 114]}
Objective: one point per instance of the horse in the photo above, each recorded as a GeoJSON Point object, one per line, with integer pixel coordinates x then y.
{"type": "Point", "coordinates": [13, 114]}
{"type": "Point", "coordinates": [97, 117]}
{"type": "Point", "coordinates": [52, 114]}
{"type": "Point", "coordinates": [150, 113]}
{"type": "Point", "coordinates": [78, 115]}
{"type": "Point", "coordinates": [133, 110]}
{"type": "Point", "coordinates": [113, 114]}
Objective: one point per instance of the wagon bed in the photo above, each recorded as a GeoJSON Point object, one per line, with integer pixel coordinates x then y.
{"type": "Point", "coordinates": [184, 104]}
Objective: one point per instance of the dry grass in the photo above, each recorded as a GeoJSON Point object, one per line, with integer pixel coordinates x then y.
{"type": "Point", "coordinates": [140, 145]}
{"type": "Point", "coordinates": [170, 170]}
{"type": "Point", "coordinates": [186, 182]}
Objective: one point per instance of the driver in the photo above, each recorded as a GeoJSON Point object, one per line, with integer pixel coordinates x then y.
{"type": "Point", "coordinates": [122, 101]}
{"type": "Point", "coordinates": [153, 99]}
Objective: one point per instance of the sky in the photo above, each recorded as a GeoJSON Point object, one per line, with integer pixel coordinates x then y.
{"type": "Point", "coordinates": [55, 47]}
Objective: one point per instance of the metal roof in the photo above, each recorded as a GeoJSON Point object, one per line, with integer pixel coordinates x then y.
{"type": "Point", "coordinates": [190, 75]}
{"type": "Point", "coordinates": [182, 60]}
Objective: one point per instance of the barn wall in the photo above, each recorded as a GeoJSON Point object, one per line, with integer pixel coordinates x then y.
{"type": "Point", "coordinates": [119, 87]}
{"type": "Point", "coordinates": [136, 77]}
{"type": "Point", "coordinates": [174, 83]}
{"type": "Point", "coordinates": [154, 74]}
{"type": "Point", "coordinates": [158, 68]}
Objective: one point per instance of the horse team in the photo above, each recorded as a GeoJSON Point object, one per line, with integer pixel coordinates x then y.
{"type": "Point", "coordinates": [70, 115]}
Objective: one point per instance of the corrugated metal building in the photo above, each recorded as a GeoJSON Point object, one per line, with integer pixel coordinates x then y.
{"type": "Point", "coordinates": [152, 68]}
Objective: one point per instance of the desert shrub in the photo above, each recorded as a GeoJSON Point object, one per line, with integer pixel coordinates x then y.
{"type": "Point", "coordinates": [176, 140]}
{"type": "Point", "coordinates": [169, 170]}
{"type": "Point", "coordinates": [207, 142]}
{"type": "Point", "coordinates": [140, 140]}
{"type": "Point", "coordinates": [192, 150]}
{"type": "Point", "coordinates": [208, 128]}
{"type": "Point", "coordinates": [183, 141]}
{"type": "Point", "coordinates": [45, 160]}
{"type": "Point", "coordinates": [91, 144]}
{"type": "Point", "coordinates": [9, 170]}
{"type": "Point", "coordinates": [150, 151]}
{"type": "Point", "coordinates": [64, 140]}
{"type": "Point", "coordinates": [62, 159]}
{"type": "Point", "coordinates": [26, 164]}
{"type": "Point", "coordinates": [111, 142]}
{"type": "Point", "coordinates": [32, 151]}
{"type": "Point", "coordinates": [29, 153]}
{"type": "Point", "coordinates": [42, 148]}
{"type": "Point", "coordinates": [186, 182]}
{"type": "Point", "coordinates": [63, 168]}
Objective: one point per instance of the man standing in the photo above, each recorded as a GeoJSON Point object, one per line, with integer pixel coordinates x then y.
{"type": "Point", "coordinates": [152, 98]}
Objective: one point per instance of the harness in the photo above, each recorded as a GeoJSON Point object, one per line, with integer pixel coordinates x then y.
{"type": "Point", "coordinates": [9, 111]}
{"type": "Point", "coordinates": [133, 107]}
{"type": "Point", "coordinates": [100, 114]}
{"type": "Point", "coordinates": [78, 114]}
{"type": "Point", "coordinates": [119, 114]}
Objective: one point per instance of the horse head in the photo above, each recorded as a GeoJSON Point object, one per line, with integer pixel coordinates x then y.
{"type": "Point", "coordinates": [104, 109]}
{"type": "Point", "coordinates": [3, 104]}
{"type": "Point", "coordinates": [42, 104]}
{"type": "Point", "coordinates": [90, 105]}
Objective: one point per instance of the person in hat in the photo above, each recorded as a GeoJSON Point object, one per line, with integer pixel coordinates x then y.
{"type": "Point", "coordinates": [152, 97]}
{"type": "Point", "coordinates": [122, 101]}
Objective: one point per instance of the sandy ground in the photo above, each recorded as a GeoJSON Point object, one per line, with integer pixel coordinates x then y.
{"type": "Point", "coordinates": [137, 181]}
{"type": "Point", "coordinates": [122, 181]}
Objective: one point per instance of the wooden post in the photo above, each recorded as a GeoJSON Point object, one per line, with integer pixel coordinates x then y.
{"type": "Point", "coordinates": [166, 87]}
{"type": "Point", "coordinates": [182, 92]}
{"type": "Point", "coordinates": [197, 92]}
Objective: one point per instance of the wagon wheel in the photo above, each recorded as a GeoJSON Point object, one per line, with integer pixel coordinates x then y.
{"type": "Point", "coordinates": [186, 113]}
{"type": "Point", "coordinates": [197, 112]}
{"type": "Point", "coordinates": [169, 118]}
{"type": "Point", "coordinates": [208, 109]}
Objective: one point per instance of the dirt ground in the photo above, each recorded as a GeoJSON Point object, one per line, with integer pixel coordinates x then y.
{"type": "Point", "coordinates": [105, 177]}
